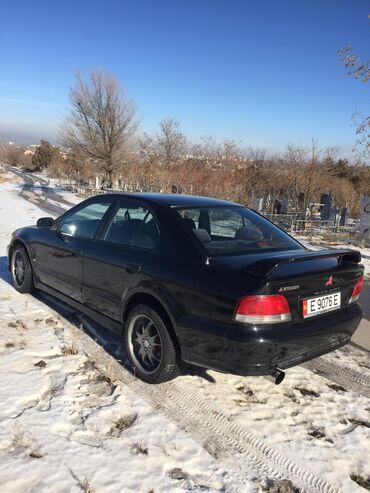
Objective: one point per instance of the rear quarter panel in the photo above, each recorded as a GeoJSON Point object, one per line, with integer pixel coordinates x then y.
{"type": "Point", "coordinates": [202, 299]}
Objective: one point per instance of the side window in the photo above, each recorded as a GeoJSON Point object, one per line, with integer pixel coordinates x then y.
{"type": "Point", "coordinates": [133, 225]}
{"type": "Point", "coordinates": [84, 223]}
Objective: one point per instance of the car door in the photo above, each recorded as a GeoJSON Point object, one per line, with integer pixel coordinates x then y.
{"type": "Point", "coordinates": [59, 256]}
{"type": "Point", "coordinates": [120, 258]}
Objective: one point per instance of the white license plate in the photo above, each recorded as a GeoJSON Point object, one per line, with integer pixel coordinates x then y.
{"type": "Point", "coordinates": [321, 304]}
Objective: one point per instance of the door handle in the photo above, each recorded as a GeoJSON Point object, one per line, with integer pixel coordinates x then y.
{"type": "Point", "coordinates": [132, 268]}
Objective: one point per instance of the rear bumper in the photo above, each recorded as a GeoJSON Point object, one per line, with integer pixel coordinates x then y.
{"type": "Point", "coordinates": [258, 350]}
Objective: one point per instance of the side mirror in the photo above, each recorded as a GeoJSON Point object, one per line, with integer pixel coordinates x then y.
{"type": "Point", "coordinates": [45, 223]}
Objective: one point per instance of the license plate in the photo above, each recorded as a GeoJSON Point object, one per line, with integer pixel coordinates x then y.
{"type": "Point", "coordinates": [321, 304]}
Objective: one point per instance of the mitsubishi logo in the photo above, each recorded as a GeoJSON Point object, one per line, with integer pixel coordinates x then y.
{"type": "Point", "coordinates": [330, 281]}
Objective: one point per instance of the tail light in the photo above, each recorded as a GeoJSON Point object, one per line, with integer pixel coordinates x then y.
{"type": "Point", "coordinates": [265, 309]}
{"type": "Point", "coordinates": [357, 290]}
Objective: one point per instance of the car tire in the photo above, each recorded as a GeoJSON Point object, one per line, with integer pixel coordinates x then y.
{"type": "Point", "coordinates": [21, 270]}
{"type": "Point", "coordinates": [150, 347]}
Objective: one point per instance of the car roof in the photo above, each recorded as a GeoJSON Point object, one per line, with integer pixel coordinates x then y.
{"type": "Point", "coordinates": [176, 200]}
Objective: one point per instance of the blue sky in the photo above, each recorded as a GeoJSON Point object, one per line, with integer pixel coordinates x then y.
{"type": "Point", "coordinates": [264, 72]}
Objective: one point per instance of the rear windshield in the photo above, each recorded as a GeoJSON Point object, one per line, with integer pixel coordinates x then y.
{"type": "Point", "coordinates": [234, 231]}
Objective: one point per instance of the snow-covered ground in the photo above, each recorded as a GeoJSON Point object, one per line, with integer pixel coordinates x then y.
{"type": "Point", "coordinates": [73, 418]}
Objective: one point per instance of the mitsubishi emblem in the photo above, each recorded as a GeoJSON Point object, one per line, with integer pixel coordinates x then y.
{"type": "Point", "coordinates": [330, 281]}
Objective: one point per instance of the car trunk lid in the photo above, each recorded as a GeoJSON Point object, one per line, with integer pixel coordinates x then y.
{"type": "Point", "coordinates": [303, 274]}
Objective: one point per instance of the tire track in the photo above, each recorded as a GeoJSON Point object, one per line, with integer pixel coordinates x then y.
{"type": "Point", "coordinates": [342, 375]}
{"type": "Point", "coordinates": [251, 454]}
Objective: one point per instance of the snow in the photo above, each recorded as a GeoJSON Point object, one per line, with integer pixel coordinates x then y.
{"type": "Point", "coordinates": [70, 422]}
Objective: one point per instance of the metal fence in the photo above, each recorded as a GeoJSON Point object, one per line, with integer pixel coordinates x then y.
{"type": "Point", "coordinates": [312, 228]}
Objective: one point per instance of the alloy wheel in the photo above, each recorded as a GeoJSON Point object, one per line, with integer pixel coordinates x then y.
{"type": "Point", "coordinates": [144, 344]}
{"type": "Point", "coordinates": [19, 269]}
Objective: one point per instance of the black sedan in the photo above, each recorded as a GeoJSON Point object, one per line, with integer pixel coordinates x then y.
{"type": "Point", "coordinates": [192, 279]}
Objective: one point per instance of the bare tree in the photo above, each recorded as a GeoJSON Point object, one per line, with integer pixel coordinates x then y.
{"type": "Point", "coordinates": [330, 153]}
{"type": "Point", "coordinates": [256, 156]}
{"type": "Point", "coordinates": [295, 159]}
{"type": "Point", "coordinates": [101, 122]}
{"type": "Point", "coordinates": [231, 151]}
{"type": "Point", "coordinates": [362, 144]}
{"type": "Point", "coordinates": [359, 70]}
{"type": "Point", "coordinates": [356, 67]}
{"type": "Point", "coordinates": [171, 143]}
{"type": "Point", "coordinates": [227, 150]}
{"type": "Point", "coordinates": [208, 149]}
{"type": "Point", "coordinates": [147, 147]}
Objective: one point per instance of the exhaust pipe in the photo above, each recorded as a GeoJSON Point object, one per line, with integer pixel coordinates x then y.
{"type": "Point", "coordinates": [276, 377]}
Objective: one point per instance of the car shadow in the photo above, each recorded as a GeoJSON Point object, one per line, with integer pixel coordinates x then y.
{"type": "Point", "coordinates": [108, 340]}
{"type": "Point", "coordinates": [4, 273]}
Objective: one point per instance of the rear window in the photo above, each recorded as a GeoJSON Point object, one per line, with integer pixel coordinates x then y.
{"type": "Point", "coordinates": [234, 230]}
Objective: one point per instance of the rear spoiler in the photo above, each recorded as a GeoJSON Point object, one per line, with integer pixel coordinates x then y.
{"type": "Point", "coordinates": [265, 267]}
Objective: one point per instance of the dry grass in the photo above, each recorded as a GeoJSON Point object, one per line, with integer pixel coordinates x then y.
{"type": "Point", "coordinates": [83, 484]}
{"type": "Point", "coordinates": [19, 341]}
{"type": "Point", "coordinates": [20, 327]}
{"type": "Point", "coordinates": [86, 486]}
{"type": "Point", "coordinates": [99, 375]}
{"type": "Point", "coordinates": [71, 349]}
{"type": "Point", "coordinates": [245, 390]}
{"type": "Point", "coordinates": [138, 448]}
{"type": "Point", "coordinates": [305, 392]}
{"type": "Point", "coordinates": [337, 388]}
{"type": "Point", "coordinates": [89, 365]}
{"type": "Point", "coordinates": [319, 433]}
{"type": "Point", "coordinates": [102, 377]}
{"type": "Point", "coordinates": [279, 486]}
{"type": "Point", "coordinates": [122, 424]}
{"type": "Point", "coordinates": [177, 473]}
{"type": "Point", "coordinates": [19, 324]}
{"type": "Point", "coordinates": [25, 443]}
